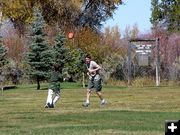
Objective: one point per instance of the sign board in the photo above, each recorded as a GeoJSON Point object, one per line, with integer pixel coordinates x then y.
{"type": "Point", "coordinates": [143, 59]}
{"type": "Point", "coordinates": [143, 52]}
{"type": "Point", "coordinates": [143, 49]}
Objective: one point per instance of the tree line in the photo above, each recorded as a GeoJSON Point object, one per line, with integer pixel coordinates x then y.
{"type": "Point", "coordinates": [28, 51]}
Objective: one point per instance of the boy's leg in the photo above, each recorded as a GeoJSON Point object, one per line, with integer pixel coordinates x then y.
{"type": "Point", "coordinates": [57, 97]}
{"type": "Point", "coordinates": [98, 87]}
{"type": "Point", "coordinates": [103, 101]}
{"type": "Point", "coordinates": [99, 95]}
{"type": "Point", "coordinates": [49, 98]}
{"type": "Point", "coordinates": [88, 93]}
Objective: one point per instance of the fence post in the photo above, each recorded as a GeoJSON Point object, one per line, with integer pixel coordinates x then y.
{"type": "Point", "coordinates": [129, 64]}
{"type": "Point", "coordinates": [157, 63]}
{"type": "Point", "coordinates": [83, 80]}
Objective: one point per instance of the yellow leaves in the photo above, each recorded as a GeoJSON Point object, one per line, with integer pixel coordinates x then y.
{"type": "Point", "coordinates": [118, 1]}
{"type": "Point", "coordinates": [113, 1]}
{"type": "Point", "coordinates": [67, 13]}
{"type": "Point", "coordinates": [18, 10]}
{"type": "Point", "coordinates": [21, 10]}
{"type": "Point", "coordinates": [88, 41]}
{"type": "Point", "coordinates": [77, 3]}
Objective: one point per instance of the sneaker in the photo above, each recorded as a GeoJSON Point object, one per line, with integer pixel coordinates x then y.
{"type": "Point", "coordinates": [103, 102]}
{"type": "Point", "coordinates": [85, 104]}
{"type": "Point", "coordinates": [51, 106]}
{"type": "Point", "coordinates": [48, 105]}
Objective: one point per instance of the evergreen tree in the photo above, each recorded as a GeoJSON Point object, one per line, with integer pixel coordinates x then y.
{"type": "Point", "coordinates": [166, 13]}
{"type": "Point", "coordinates": [156, 13]}
{"type": "Point", "coordinates": [3, 54]}
{"type": "Point", "coordinates": [40, 55]}
{"type": "Point", "coordinates": [60, 52]}
{"type": "Point", "coordinates": [76, 66]}
{"type": "Point", "coordinates": [171, 14]}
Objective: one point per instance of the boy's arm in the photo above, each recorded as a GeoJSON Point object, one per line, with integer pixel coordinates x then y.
{"type": "Point", "coordinates": [95, 69]}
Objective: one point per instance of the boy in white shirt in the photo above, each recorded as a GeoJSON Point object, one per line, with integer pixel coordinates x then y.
{"type": "Point", "coordinates": [94, 81]}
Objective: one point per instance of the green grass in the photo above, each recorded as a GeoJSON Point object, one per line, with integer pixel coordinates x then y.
{"type": "Point", "coordinates": [130, 111]}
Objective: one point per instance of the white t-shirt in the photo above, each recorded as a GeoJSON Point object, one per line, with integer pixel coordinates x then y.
{"type": "Point", "coordinates": [93, 65]}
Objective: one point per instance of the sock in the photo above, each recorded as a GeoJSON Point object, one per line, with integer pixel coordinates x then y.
{"type": "Point", "coordinates": [87, 101]}
{"type": "Point", "coordinates": [103, 100]}
{"type": "Point", "coordinates": [49, 97]}
{"type": "Point", "coordinates": [57, 97]}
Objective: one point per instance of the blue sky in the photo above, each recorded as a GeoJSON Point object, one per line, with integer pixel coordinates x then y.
{"type": "Point", "coordinates": [133, 12]}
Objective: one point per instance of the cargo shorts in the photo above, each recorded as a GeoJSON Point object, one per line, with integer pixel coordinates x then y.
{"type": "Point", "coordinates": [95, 82]}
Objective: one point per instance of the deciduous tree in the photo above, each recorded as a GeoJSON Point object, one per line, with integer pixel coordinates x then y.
{"type": "Point", "coordinates": [68, 14]}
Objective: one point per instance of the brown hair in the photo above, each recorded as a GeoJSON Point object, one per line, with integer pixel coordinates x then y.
{"type": "Point", "coordinates": [56, 67]}
{"type": "Point", "coordinates": [88, 56]}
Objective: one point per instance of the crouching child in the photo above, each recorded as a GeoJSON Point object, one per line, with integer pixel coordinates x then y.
{"type": "Point", "coordinates": [54, 87]}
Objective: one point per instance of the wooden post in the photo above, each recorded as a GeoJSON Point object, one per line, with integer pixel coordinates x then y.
{"type": "Point", "coordinates": [157, 63]}
{"type": "Point", "coordinates": [83, 80]}
{"type": "Point", "coordinates": [1, 15]}
{"type": "Point", "coordinates": [129, 64]}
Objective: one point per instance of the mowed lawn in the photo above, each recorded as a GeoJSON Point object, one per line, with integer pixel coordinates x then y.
{"type": "Point", "coordinates": [129, 111]}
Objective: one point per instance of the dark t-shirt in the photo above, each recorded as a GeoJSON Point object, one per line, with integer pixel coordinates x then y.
{"type": "Point", "coordinates": [55, 81]}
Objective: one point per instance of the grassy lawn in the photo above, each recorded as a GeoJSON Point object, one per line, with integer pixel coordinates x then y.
{"type": "Point", "coordinates": [130, 111]}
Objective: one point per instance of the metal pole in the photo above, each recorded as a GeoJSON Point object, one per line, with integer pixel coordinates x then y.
{"type": "Point", "coordinates": [157, 63]}
{"type": "Point", "coordinates": [129, 64]}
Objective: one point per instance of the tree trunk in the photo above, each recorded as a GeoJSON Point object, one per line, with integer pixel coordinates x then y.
{"type": "Point", "coordinates": [38, 83]}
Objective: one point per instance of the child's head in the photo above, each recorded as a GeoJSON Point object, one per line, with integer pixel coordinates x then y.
{"type": "Point", "coordinates": [88, 58]}
{"type": "Point", "coordinates": [56, 67]}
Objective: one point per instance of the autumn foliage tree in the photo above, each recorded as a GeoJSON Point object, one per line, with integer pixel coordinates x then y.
{"type": "Point", "coordinates": [68, 14]}
{"type": "Point", "coordinates": [16, 45]}
{"type": "Point", "coordinates": [89, 42]}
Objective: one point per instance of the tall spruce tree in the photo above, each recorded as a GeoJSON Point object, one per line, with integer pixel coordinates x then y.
{"type": "Point", "coordinates": [156, 13]}
{"type": "Point", "coordinates": [171, 14]}
{"type": "Point", "coordinates": [166, 13]}
{"type": "Point", "coordinates": [39, 55]}
{"type": "Point", "coordinates": [61, 53]}
{"type": "Point", "coordinates": [3, 54]}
